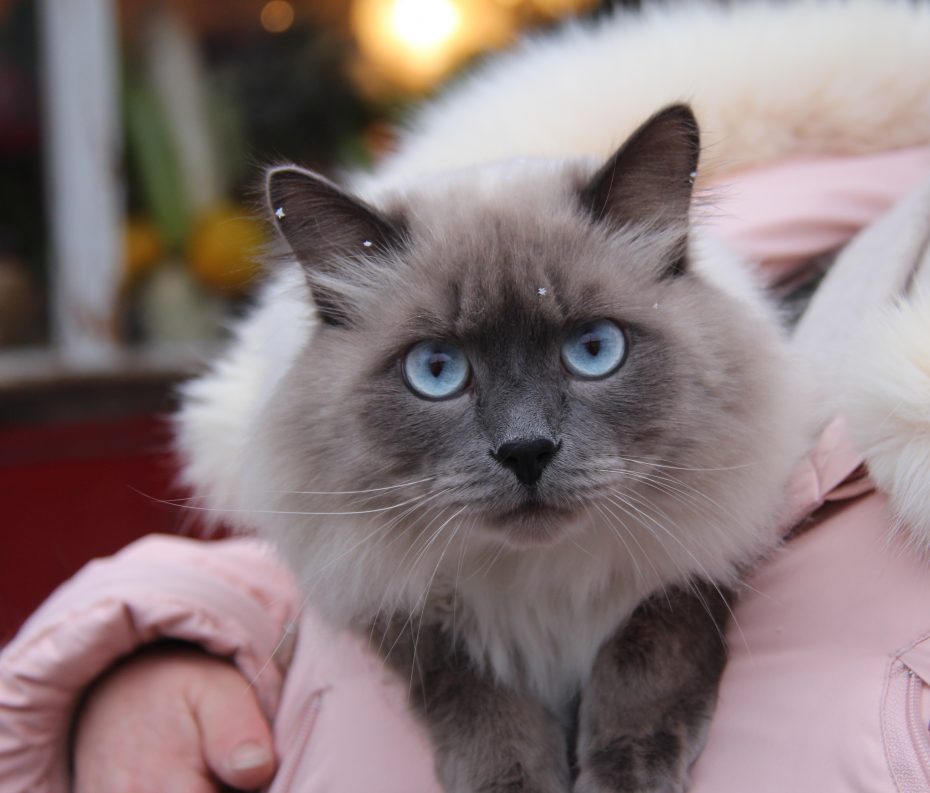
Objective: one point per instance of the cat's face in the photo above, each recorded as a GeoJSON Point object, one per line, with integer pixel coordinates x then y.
{"type": "Point", "coordinates": [524, 345]}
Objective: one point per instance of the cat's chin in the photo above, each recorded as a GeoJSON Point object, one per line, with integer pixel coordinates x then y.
{"type": "Point", "coordinates": [531, 524]}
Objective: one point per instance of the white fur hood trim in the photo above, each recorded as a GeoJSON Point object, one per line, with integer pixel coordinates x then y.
{"type": "Point", "coordinates": [889, 410]}
{"type": "Point", "coordinates": [868, 332]}
{"type": "Point", "coordinates": [766, 79]}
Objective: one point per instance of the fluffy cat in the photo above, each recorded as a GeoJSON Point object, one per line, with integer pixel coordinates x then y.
{"type": "Point", "coordinates": [533, 398]}
{"type": "Point", "coordinates": [517, 419]}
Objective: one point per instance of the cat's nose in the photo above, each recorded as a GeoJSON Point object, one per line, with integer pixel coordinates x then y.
{"type": "Point", "coordinates": [526, 457]}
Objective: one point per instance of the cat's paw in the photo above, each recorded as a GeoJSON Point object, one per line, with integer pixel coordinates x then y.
{"type": "Point", "coordinates": [518, 780]}
{"type": "Point", "coordinates": [644, 764]}
{"type": "Point", "coordinates": [521, 787]}
{"type": "Point", "coordinates": [590, 782]}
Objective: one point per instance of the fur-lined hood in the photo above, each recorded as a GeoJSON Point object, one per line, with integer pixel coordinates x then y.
{"type": "Point", "coordinates": [766, 80]}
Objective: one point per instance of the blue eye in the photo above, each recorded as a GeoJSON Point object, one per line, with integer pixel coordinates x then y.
{"type": "Point", "coordinates": [594, 350]}
{"type": "Point", "coordinates": [436, 369]}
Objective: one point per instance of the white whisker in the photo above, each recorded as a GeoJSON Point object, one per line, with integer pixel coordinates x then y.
{"type": "Point", "coordinates": [300, 512]}
{"type": "Point", "coordinates": [378, 530]}
{"type": "Point", "coordinates": [422, 599]}
{"type": "Point", "coordinates": [666, 466]}
{"type": "Point", "coordinates": [706, 576]}
{"type": "Point", "coordinates": [352, 492]}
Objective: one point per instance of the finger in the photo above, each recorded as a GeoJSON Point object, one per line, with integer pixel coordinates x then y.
{"type": "Point", "coordinates": [141, 779]}
{"type": "Point", "coordinates": [138, 761]}
{"type": "Point", "coordinates": [126, 739]}
{"type": "Point", "coordinates": [236, 738]}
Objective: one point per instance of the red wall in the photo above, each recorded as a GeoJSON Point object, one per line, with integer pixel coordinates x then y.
{"type": "Point", "coordinates": [69, 493]}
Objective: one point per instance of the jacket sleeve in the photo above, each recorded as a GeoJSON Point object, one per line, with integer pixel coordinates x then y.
{"type": "Point", "coordinates": [229, 596]}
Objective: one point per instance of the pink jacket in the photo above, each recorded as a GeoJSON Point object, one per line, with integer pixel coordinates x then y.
{"type": "Point", "coordinates": [826, 688]}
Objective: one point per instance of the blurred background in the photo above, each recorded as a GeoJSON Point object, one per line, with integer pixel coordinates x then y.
{"type": "Point", "coordinates": [132, 136]}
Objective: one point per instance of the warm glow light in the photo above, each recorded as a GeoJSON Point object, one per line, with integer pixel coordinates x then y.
{"type": "Point", "coordinates": [414, 43]}
{"type": "Point", "coordinates": [277, 16]}
{"type": "Point", "coordinates": [424, 24]}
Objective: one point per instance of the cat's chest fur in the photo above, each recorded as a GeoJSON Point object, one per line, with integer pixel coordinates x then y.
{"type": "Point", "coordinates": [537, 619]}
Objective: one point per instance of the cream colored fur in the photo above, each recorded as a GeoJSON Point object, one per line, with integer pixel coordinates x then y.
{"type": "Point", "coordinates": [888, 406]}
{"type": "Point", "coordinates": [867, 331]}
{"type": "Point", "coordinates": [765, 79]}
{"type": "Point", "coordinates": [220, 407]}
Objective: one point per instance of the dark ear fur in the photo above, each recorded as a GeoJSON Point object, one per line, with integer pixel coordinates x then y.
{"type": "Point", "coordinates": [325, 226]}
{"type": "Point", "coordinates": [649, 178]}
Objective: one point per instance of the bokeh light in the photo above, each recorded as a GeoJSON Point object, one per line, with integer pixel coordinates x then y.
{"type": "Point", "coordinates": [277, 16]}
{"type": "Point", "coordinates": [412, 44]}
{"type": "Point", "coordinates": [424, 24]}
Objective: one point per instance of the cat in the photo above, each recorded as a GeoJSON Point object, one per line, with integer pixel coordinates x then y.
{"type": "Point", "coordinates": [540, 426]}
{"type": "Point", "coordinates": [511, 414]}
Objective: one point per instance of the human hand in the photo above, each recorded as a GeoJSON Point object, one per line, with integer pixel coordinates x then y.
{"type": "Point", "coordinates": [171, 719]}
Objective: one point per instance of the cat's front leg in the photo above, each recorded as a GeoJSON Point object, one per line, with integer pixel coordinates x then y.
{"type": "Point", "coordinates": [646, 709]}
{"type": "Point", "coordinates": [487, 738]}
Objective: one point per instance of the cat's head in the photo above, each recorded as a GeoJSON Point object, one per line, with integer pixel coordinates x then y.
{"type": "Point", "coordinates": [524, 343]}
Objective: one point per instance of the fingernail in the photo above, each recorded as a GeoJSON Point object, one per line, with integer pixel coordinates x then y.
{"type": "Point", "coordinates": [249, 755]}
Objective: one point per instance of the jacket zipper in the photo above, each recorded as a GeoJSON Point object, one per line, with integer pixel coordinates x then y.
{"type": "Point", "coordinates": [301, 740]}
{"type": "Point", "coordinates": [918, 730]}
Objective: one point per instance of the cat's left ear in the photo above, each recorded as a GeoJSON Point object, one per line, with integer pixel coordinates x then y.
{"type": "Point", "coordinates": [650, 178]}
{"type": "Point", "coordinates": [328, 229]}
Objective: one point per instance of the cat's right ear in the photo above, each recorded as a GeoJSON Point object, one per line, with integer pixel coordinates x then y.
{"type": "Point", "coordinates": [650, 178]}
{"type": "Point", "coordinates": [328, 230]}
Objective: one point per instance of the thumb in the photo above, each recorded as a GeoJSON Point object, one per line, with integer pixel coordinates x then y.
{"type": "Point", "coordinates": [236, 738]}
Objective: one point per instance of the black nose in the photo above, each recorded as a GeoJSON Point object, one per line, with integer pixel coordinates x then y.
{"type": "Point", "coordinates": [526, 457]}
